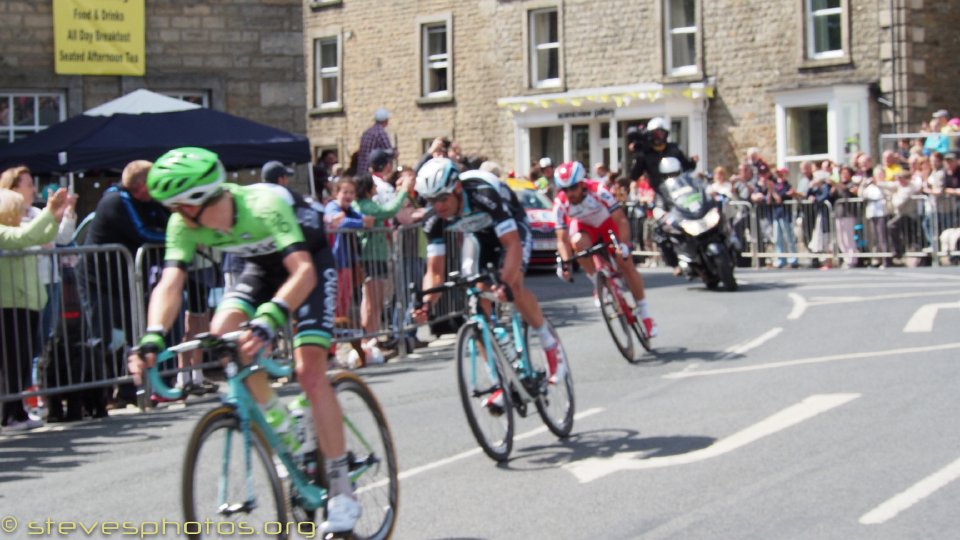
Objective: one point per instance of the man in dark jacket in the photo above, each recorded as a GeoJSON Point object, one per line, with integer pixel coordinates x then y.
{"type": "Point", "coordinates": [648, 150]}
{"type": "Point", "coordinates": [125, 215]}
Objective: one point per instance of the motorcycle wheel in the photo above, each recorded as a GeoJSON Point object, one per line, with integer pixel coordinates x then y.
{"type": "Point", "coordinates": [725, 271]}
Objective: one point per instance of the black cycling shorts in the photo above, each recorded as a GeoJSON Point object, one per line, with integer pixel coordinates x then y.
{"type": "Point", "coordinates": [480, 251]}
{"type": "Point", "coordinates": [313, 321]}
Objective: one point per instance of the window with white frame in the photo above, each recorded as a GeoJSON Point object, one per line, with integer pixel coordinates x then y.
{"type": "Point", "coordinates": [197, 97]}
{"type": "Point", "coordinates": [680, 22]}
{"type": "Point", "coordinates": [824, 22]}
{"type": "Point", "coordinates": [435, 55]}
{"type": "Point", "coordinates": [806, 131]}
{"type": "Point", "coordinates": [680, 132]}
{"type": "Point", "coordinates": [544, 48]}
{"type": "Point", "coordinates": [326, 57]}
{"type": "Point", "coordinates": [817, 123]}
{"type": "Point", "coordinates": [25, 113]}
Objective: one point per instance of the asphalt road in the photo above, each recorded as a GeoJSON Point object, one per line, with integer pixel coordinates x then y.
{"type": "Point", "coordinates": [810, 404]}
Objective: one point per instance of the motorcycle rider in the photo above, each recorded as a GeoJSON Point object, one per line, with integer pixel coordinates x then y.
{"type": "Point", "coordinates": [650, 147]}
{"type": "Point", "coordinates": [586, 214]}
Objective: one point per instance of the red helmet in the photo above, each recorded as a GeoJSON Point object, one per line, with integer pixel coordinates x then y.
{"type": "Point", "coordinates": [569, 174]}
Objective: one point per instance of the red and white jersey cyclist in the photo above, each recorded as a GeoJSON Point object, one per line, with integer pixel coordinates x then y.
{"type": "Point", "coordinates": [587, 213]}
{"type": "Point", "coordinates": [593, 213]}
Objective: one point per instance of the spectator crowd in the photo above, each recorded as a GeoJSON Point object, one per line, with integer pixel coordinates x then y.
{"type": "Point", "coordinates": [906, 202]}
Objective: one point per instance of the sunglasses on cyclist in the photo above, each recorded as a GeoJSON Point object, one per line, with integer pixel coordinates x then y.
{"type": "Point", "coordinates": [441, 198]}
{"type": "Point", "coordinates": [568, 189]}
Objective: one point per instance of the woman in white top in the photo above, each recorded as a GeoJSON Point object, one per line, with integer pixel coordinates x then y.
{"type": "Point", "coordinates": [875, 212]}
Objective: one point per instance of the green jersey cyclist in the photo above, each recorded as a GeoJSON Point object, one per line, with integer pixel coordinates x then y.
{"type": "Point", "coordinates": [496, 231]}
{"type": "Point", "coordinates": [288, 269]}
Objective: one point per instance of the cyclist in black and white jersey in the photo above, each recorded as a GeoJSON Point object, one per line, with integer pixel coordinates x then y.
{"type": "Point", "coordinates": [495, 231]}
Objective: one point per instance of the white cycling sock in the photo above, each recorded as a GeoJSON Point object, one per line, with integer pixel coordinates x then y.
{"type": "Point", "coordinates": [546, 337]}
{"type": "Point", "coordinates": [593, 278]}
{"type": "Point", "coordinates": [183, 378]}
{"type": "Point", "coordinates": [338, 475]}
{"type": "Point", "coordinates": [644, 309]}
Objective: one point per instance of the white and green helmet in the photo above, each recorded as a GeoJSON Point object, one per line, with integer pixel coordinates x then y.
{"type": "Point", "coordinates": [187, 175]}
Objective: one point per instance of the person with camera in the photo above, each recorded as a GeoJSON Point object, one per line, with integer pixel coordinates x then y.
{"type": "Point", "coordinates": [648, 147]}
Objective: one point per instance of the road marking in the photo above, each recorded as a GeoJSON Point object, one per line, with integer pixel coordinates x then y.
{"type": "Point", "coordinates": [590, 469]}
{"type": "Point", "coordinates": [753, 344]}
{"type": "Point", "coordinates": [814, 360]}
{"type": "Point", "coordinates": [470, 453]}
{"type": "Point", "coordinates": [799, 306]}
{"type": "Point", "coordinates": [922, 319]}
{"type": "Point", "coordinates": [916, 493]}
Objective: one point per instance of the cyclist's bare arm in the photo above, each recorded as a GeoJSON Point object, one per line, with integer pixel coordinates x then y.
{"type": "Point", "coordinates": [431, 278]}
{"type": "Point", "coordinates": [564, 245]}
{"type": "Point", "coordinates": [166, 298]}
{"type": "Point", "coordinates": [162, 312]}
{"type": "Point", "coordinates": [623, 225]}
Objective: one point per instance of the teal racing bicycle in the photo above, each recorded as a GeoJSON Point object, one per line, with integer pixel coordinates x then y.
{"type": "Point", "coordinates": [502, 369]}
{"type": "Point", "coordinates": [237, 468]}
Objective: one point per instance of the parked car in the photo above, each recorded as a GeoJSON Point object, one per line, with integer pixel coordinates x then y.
{"type": "Point", "coordinates": [539, 210]}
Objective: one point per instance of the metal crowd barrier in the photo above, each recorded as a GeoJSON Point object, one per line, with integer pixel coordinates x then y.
{"type": "Point", "coordinates": [206, 280]}
{"type": "Point", "coordinates": [375, 268]}
{"type": "Point", "coordinates": [72, 335]}
{"type": "Point", "coordinates": [928, 231]}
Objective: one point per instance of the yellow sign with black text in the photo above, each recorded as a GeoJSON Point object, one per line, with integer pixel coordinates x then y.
{"type": "Point", "coordinates": [99, 37]}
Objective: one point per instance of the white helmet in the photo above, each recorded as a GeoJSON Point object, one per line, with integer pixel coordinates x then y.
{"type": "Point", "coordinates": [657, 122]}
{"type": "Point", "coordinates": [439, 175]}
{"type": "Point", "coordinates": [670, 166]}
{"type": "Point", "coordinates": [486, 176]}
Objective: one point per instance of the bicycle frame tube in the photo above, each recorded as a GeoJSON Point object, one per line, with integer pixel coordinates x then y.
{"type": "Point", "coordinates": [606, 267]}
{"type": "Point", "coordinates": [509, 372]}
{"type": "Point", "coordinates": [248, 411]}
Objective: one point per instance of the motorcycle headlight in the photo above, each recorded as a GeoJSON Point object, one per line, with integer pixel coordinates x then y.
{"type": "Point", "coordinates": [696, 227]}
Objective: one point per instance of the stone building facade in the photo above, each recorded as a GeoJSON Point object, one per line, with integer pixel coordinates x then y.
{"type": "Point", "coordinates": [515, 80]}
{"type": "Point", "coordinates": [244, 57]}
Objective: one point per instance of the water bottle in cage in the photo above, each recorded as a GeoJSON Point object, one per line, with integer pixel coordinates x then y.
{"type": "Point", "coordinates": [506, 343]}
{"type": "Point", "coordinates": [302, 417]}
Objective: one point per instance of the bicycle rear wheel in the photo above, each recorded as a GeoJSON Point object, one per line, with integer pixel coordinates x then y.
{"type": "Point", "coordinates": [479, 380]}
{"type": "Point", "coordinates": [215, 478]}
{"type": "Point", "coordinates": [373, 460]}
{"type": "Point", "coordinates": [614, 318]}
{"type": "Point", "coordinates": [555, 401]}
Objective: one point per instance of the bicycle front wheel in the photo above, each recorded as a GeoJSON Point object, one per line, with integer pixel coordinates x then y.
{"type": "Point", "coordinates": [555, 401]}
{"type": "Point", "coordinates": [611, 309]}
{"type": "Point", "coordinates": [373, 461]}
{"type": "Point", "coordinates": [225, 479]}
{"type": "Point", "coordinates": [490, 415]}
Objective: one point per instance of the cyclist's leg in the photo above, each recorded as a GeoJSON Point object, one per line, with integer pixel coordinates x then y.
{"type": "Point", "coordinates": [627, 267]}
{"type": "Point", "coordinates": [582, 238]}
{"type": "Point", "coordinates": [254, 286]}
{"type": "Point", "coordinates": [631, 274]}
{"type": "Point", "coordinates": [313, 329]}
{"type": "Point", "coordinates": [527, 303]}
{"type": "Point", "coordinates": [312, 333]}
